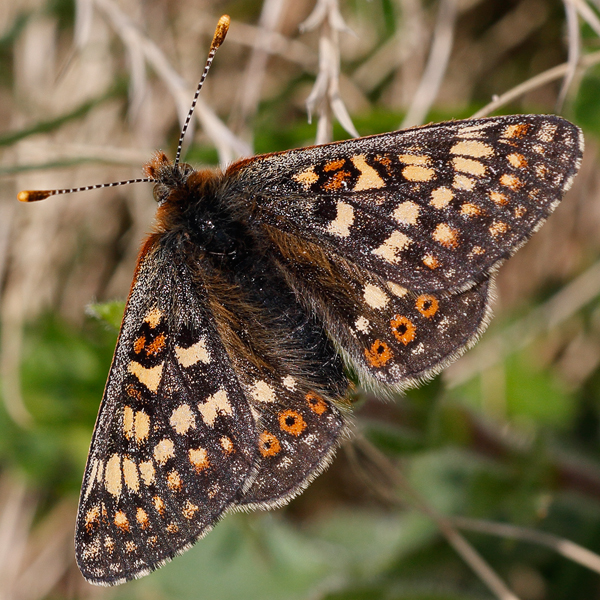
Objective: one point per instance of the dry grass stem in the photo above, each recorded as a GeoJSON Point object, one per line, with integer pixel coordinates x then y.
{"type": "Point", "coordinates": [250, 90]}
{"type": "Point", "coordinates": [228, 145]}
{"type": "Point", "coordinates": [574, 51]}
{"type": "Point", "coordinates": [325, 98]}
{"type": "Point", "coordinates": [462, 547]}
{"type": "Point", "coordinates": [562, 546]}
{"type": "Point", "coordinates": [439, 55]}
{"type": "Point", "coordinates": [535, 82]}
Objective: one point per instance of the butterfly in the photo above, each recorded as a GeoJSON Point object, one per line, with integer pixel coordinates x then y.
{"type": "Point", "coordinates": [262, 285]}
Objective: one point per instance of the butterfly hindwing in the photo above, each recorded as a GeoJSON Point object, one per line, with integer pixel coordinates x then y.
{"type": "Point", "coordinates": [299, 430]}
{"type": "Point", "coordinates": [428, 208]}
{"type": "Point", "coordinates": [388, 334]}
{"type": "Point", "coordinates": [175, 438]}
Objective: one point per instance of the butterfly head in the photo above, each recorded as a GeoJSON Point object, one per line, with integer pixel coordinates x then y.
{"type": "Point", "coordinates": [167, 176]}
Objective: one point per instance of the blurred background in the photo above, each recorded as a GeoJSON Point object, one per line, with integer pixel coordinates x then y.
{"type": "Point", "coordinates": [462, 489]}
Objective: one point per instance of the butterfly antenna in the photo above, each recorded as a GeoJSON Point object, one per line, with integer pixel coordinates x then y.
{"type": "Point", "coordinates": [220, 33]}
{"type": "Point", "coordinates": [35, 195]}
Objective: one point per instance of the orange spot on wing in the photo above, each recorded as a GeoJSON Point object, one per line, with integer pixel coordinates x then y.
{"type": "Point", "coordinates": [316, 403]}
{"type": "Point", "coordinates": [337, 180]}
{"type": "Point", "coordinates": [403, 329]}
{"type": "Point", "coordinates": [334, 165]}
{"type": "Point", "coordinates": [427, 305]}
{"type": "Point", "coordinates": [378, 354]}
{"type": "Point", "coordinates": [268, 444]}
{"type": "Point", "coordinates": [139, 344]}
{"type": "Point", "coordinates": [156, 346]}
{"type": "Point", "coordinates": [292, 422]}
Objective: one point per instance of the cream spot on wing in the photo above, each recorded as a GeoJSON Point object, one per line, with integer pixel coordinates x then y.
{"type": "Point", "coordinates": [130, 474]}
{"type": "Point", "coordinates": [130, 546]}
{"type": "Point", "coordinates": [261, 391]}
{"type": "Point", "coordinates": [414, 159]}
{"type": "Point", "coordinates": [159, 504]}
{"type": "Point", "coordinates": [109, 543]}
{"type": "Point", "coordinates": [468, 165]}
{"type": "Point", "coordinates": [226, 444]}
{"type": "Point", "coordinates": [149, 377]}
{"type": "Point", "coordinates": [187, 357]}
{"type": "Point", "coordinates": [472, 148]}
{"type": "Point", "coordinates": [429, 260]}
{"type": "Point", "coordinates": [92, 517]}
{"type": "Point", "coordinates": [182, 419]}
{"type": "Point", "coordinates": [406, 213]}
{"type": "Point", "coordinates": [147, 472]}
{"type": "Point", "coordinates": [498, 198]}
{"type": "Point", "coordinates": [418, 173]}
{"type": "Point", "coordinates": [473, 130]}
{"type": "Point", "coordinates": [92, 479]}
{"type": "Point", "coordinates": [441, 197]}
{"type": "Point", "coordinates": [391, 248]}
{"type": "Point", "coordinates": [445, 235]}
{"type": "Point", "coordinates": [541, 171]}
{"type": "Point", "coordinates": [511, 181]}
{"type": "Point", "coordinates": [396, 289]}
{"type": "Point", "coordinates": [216, 404]}
{"type": "Point", "coordinates": [141, 516]}
{"type": "Point", "coordinates": [112, 475]}
{"type": "Point", "coordinates": [462, 182]}
{"type": "Point", "coordinates": [289, 382]}
{"type": "Point", "coordinates": [128, 422]}
{"type": "Point", "coordinates": [164, 450]}
{"type": "Point", "coordinates": [518, 161]}
{"type": "Point", "coordinates": [520, 212]}
{"type": "Point", "coordinates": [375, 297]}
{"type": "Point", "coordinates": [153, 317]}
{"type": "Point", "coordinates": [477, 251]}
{"type": "Point", "coordinates": [343, 221]}
{"type": "Point", "coordinates": [547, 132]}
{"type": "Point", "coordinates": [199, 459]}
{"type": "Point", "coordinates": [121, 521]}
{"type": "Point", "coordinates": [92, 551]}
{"type": "Point", "coordinates": [307, 177]}
{"type": "Point", "coordinates": [362, 324]}
{"type": "Point", "coordinates": [189, 509]}
{"type": "Point", "coordinates": [468, 209]}
{"type": "Point", "coordinates": [174, 480]}
{"type": "Point", "coordinates": [369, 178]}
{"type": "Point", "coordinates": [141, 426]}
{"type": "Point", "coordinates": [516, 131]}
{"type": "Point", "coordinates": [498, 228]}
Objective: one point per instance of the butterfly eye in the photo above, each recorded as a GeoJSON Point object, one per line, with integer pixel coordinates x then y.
{"type": "Point", "coordinates": [161, 192]}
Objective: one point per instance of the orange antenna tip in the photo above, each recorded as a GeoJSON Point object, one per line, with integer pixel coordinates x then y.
{"type": "Point", "coordinates": [221, 31]}
{"type": "Point", "coordinates": [33, 195]}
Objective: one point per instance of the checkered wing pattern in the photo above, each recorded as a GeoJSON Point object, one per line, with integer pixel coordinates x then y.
{"type": "Point", "coordinates": [185, 431]}
{"type": "Point", "coordinates": [430, 208]}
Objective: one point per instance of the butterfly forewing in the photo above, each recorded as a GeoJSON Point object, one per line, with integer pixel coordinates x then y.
{"type": "Point", "coordinates": [428, 208]}
{"type": "Point", "coordinates": [175, 439]}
